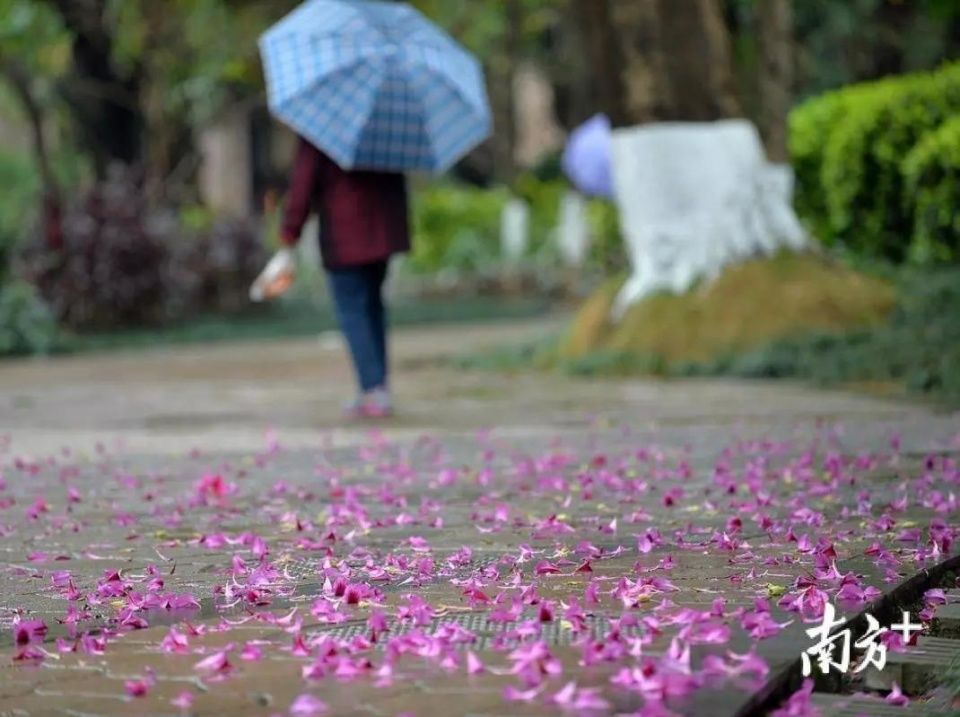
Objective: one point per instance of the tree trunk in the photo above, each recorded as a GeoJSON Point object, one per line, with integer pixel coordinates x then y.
{"type": "Point", "coordinates": [168, 146]}
{"type": "Point", "coordinates": [659, 60]}
{"type": "Point", "coordinates": [104, 103]}
{"type": "Point", "coordinates": [775, 21]}
{"type": "Point", "coordinates": [19, 80]}
{"type": "Point", "coordinates": [602, 51]}
{"type": "Point", "coordinates": [698, 61]}
{"type": "Point", "coordinates": [503, 71]}
{"type": "Point", "coordinates": [889, 56]}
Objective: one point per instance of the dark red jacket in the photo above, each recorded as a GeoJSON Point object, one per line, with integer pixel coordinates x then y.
{"type": "Point", "coordinates": [363, 215]}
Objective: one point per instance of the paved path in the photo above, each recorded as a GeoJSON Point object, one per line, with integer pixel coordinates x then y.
{"type": "Point", "coordinates": [170, 507]}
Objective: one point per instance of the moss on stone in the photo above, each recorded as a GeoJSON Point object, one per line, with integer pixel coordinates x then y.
{"type": "Point", "coordinates": [750, 305]}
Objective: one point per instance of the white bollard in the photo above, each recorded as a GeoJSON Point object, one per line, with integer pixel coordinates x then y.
{"type": "Point", "coordinates": [573, 236]}
{"type": "Point", "coordinates": [515, 230]}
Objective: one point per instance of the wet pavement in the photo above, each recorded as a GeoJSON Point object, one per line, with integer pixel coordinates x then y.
{"type": "Point", "coordinates": [200, 533]}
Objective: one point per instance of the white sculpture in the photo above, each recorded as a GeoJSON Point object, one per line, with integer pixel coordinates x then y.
{"type": "Point", "coordinates": [693, 198]}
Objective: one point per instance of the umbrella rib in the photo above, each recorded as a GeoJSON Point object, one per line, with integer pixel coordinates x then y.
{"type": "Point", "coordinates": [314, 88]}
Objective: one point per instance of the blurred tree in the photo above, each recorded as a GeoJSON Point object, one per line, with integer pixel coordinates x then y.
{"type": "Point", "coordinates": [604, 54]}
{"type": "Point", "coordinates": [844, 42]}
{"type": "Point", "coordinates": [103, 97]}
{"type": "Point", "coordinates": [195, 57]}
{"type": "Point", "coordinates": [139, 76]}
{"type": "Point", "coordinates": [659, 59]}
{"type": "Point", "coordinates": [502, 34]}
{"type": "Point", "coordinates": [33, 48]}
{"type": "Point", "coordinates": [775, 76]}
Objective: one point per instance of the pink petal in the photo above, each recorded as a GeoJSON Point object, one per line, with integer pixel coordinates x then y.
{"type": "Point", "coordinates": [896, 697]}
{"type": "Point", "coordinates": [174, 641]}
{"type": "Point", "coordinates": [183, 701]}
{"type": "Point", "coordinates": [218, 662]}
{"type": "Point", "coordinates": [137, 688]}
{"type": "Point", "coordinates": [474, 666]}
{"type": "Point", "coordinates": [514, 695]}
{"type": "Point", "coordinates": [307, 706]}
{"type": "Point", "coordinates": [29, 654]}
{"type": "Point", "coordinates": [565, 696]}
{"type": "Point", "coordinates": [545, 567]}
{"type": "Point", "coordinates": [251, 652]}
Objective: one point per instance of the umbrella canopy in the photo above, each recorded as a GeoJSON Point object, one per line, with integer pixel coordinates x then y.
{"type": "Point", "coordinates": [586, 159]}
{"type": "Point", "coordinates": [375, 85]}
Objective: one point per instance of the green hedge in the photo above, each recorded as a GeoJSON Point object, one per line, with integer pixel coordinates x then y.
{"type": "Point", "coordinates": [932, 173]}
{"type": "Point", "coordinates": [848, 149]}
{"type": "Point", "coordinates": [20, 189]}
{"type": "Point", "coordinates": [809, 124]}
{"type": "Point", "coordinates": [458, 227]}
{"type": "Point", "coordinates": [27, 325]}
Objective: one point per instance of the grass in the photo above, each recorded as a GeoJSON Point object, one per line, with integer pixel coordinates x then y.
{"type": "Point", "coordinates": [951, 685]}
{"type": "Point", "coordinates": [297, 318]}
{"type": "Point", "coordinates": [748, 306]}
{"type": "Point", "coordinates": [917, 349]}
{"type": "Point", "coordinates": [906, 339]}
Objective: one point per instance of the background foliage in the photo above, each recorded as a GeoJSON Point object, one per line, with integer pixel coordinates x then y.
{"type": "Point", "coordinates": [870, 161]}
{"type": "Point", "coordinates": [876, 160]}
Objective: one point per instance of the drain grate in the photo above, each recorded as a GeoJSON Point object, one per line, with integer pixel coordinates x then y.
{"type": "Point", "coordinates": [917, 669]}
{"type": "Point", "coordinates": [856, 706]}
{"type": "Point", "coordinates": [553, 633]}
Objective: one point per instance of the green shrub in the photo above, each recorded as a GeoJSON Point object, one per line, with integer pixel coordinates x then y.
{"type": "Point", "coordinates": [862, 170]}
{"type": "Point", "coordinates": [932, 174]}
{"type": "Point", "coordinates": [809, 124]}
{"type": "Point", "coordinates": [848, 148]}
{"type": "Point", "coordinates": [27, 325]}
{"type": "Point", "coordinates": [110, 270]}
{"type": "Point", "coordinates": [544, 200]}
{"type": "Point", "coordinates": [917, 349]}
{"type": "Point", "coordinates": [125, 263]}
{"type": "Point", "coordinates": [20, 188]}
{"type": "Point", "coordinates": [456, 227]}
{"type": "Point", "coordinates": [608, 253]}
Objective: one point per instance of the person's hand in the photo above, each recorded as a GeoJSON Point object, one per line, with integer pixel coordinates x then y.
{"type": "Point", "coordinates": [276, 278]}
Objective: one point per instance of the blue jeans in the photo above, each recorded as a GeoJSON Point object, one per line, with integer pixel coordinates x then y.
{"type": "Point", "coordinates": [358, 300]}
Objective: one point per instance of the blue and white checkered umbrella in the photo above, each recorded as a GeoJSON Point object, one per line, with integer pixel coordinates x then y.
{"type": "Point", "coordinates": [375, 85]}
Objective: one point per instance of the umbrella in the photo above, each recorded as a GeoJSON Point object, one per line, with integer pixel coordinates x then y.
{"type": "Point", "coordinates": [375, 85]}
{"type": "Point", "coordinates": [586, 159]}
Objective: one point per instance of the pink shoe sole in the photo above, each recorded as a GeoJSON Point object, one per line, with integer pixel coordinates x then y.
{"type": "Point", "coordinates": [367, 413]}
{"type": "Point", "coordinates": [376, 412]}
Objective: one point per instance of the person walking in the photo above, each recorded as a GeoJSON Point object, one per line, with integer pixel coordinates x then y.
{"type": "Point", "coordinates": [364, 221]}
{"type": "Point", "coordinates": [374, 89]}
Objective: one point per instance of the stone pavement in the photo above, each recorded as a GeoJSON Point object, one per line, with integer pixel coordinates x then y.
{"type": "Point", "coordinates": [194, 531]}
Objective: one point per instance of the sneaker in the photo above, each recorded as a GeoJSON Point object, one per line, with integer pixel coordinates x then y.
{"type": "Point", "coordinates": [354, 409]}
{"type": "Point", "coordinates": [372, 404]}
{"type": "Point", "coordinates": [377, 404]}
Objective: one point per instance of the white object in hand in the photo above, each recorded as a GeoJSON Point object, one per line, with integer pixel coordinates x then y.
{"type": "Point", "coordinates": [276, 277]}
